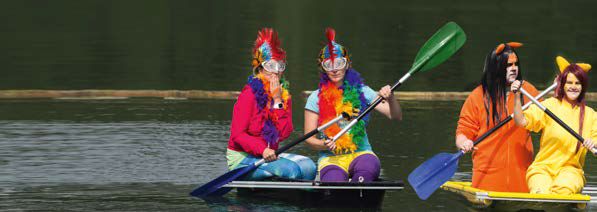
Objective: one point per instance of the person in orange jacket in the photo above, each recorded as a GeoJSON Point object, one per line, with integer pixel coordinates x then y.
{"type": "Point", "coordinates": [500, 162]}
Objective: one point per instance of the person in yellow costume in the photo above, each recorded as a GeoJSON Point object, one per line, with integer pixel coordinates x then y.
{"type": "Point", "coordinates": [558, 166]}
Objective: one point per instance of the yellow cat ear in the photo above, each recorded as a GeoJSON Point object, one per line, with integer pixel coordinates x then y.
{"type": "Point", "coordinates": [585, 66]}
{"type": "Point", "coordinates": [562, 63]}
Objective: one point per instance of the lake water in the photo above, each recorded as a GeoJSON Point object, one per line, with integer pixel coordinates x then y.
{"type": "Point", "coordinates": [147, 154]}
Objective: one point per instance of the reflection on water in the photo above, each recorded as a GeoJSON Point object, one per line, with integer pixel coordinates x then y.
{"type": "Point", "coordinates": [147, 154]}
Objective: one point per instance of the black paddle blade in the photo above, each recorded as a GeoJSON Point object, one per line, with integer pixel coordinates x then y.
{"type": "Point", "coordinates": [214, 187]}
{"type": "Point", "coordinates": [433, 173]}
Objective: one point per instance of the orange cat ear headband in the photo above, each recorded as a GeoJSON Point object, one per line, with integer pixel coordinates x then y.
{"type": "Point", "coordinates": [563, 64]}
{"type": "Point", "coordinates": [501, 47]}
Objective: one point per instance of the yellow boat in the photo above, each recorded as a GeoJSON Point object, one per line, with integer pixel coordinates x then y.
{"type": "Point", "coordinates": [514, 201]}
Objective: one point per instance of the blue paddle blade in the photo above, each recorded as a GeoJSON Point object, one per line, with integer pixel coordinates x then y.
{"type": "Point", "coordinates": [433, 173]}
{"type": "Point", "coordinates": [214, 187]}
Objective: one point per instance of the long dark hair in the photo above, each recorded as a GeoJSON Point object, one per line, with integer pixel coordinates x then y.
{"type": "Point", "coordinates": [494, 83]}
{"type": "Point", "coordinates": [560, 93]}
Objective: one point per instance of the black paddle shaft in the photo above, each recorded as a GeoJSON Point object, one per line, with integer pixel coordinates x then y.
{"type": "Point", "coordinates": [296, 141]}
{"type": "Point", "coordinates": [567, 128]}
{"type": "Point", "coordinates": [486, 134]}
{"type": "Point", "coordinates": [374, 104]}
{"type": "Point", "coordinates": [312, 133]}
{"type": "Point", "coordinates": [379, 99]}
{"type": "Point", "coordinates": [564, 125]}
{"type": "Point", "coordinates": [505, 121]}
{"type": "Point", "coordinates": [558, 120]}
{"type": "Point", "coordinates": [369, 108]}
{"type": "Point", "coordinates": [553, 116]}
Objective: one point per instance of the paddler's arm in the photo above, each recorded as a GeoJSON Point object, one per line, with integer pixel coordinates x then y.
{"type": "Point", "coordinates": [311, 119]}
{"type": "Point", "coordinates": [241, 116]}
{"type": "Point", "coordinates": [519, 118]}
{"type": "Point", "coordinates": [390, 106]}
{"type": "Point", "coordinates": [468, 122]}
{"type": "Point", "coordinates": [590, 142]}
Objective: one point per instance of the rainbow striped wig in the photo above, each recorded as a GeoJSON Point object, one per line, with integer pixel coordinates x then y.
{"type": "Point", "coordinates": [267, 47]}
{"type": "Point", "coordinates": [337, 50]}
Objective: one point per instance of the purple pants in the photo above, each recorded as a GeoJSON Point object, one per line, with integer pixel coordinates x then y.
{"type": "Point", "coordinates": [364, 168]}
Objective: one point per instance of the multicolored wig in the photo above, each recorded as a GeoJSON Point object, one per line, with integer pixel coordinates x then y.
{"type": "Point", "coordinates": [579, 70]}
{"type": "Point", "coordinates": [267, 47]}
{"type": "Point", "coordinates": [494, 83]}
{"type": "Point", "coordinates": [334, 100]}
{"type": "Point", "coordinates": [332, 49]}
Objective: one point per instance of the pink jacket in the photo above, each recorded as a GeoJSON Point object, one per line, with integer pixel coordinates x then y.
{"type": "Point", "coordinates": [245, 129]}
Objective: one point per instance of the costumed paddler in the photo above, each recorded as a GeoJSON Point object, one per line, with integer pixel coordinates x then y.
{"type": "Point", "coordinates": [500, 162]}
{"type": "Point", "coordinates": [262, 117]}
{"type": "Point", "coordinates": [558, 166]}
{"type": "Point", "coordinates": [341, 89]}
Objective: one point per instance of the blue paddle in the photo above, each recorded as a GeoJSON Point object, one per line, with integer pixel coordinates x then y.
{"type": "Point", "coordinates": [433, 173]}
{"type": "Point", "coordinates": [214, 187]}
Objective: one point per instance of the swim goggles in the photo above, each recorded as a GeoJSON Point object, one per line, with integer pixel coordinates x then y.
{"type": "Point", "coordinates": [274, 66]}
{"type": "Point", "coordinates": [337, 63]}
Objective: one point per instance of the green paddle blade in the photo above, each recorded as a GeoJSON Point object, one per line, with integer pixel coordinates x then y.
{"type": "Point", "coordinates": [441, 46]}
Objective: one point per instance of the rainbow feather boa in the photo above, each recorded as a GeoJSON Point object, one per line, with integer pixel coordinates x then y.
{"type": "Point", "coordinates": [260, 86]}
{"type": "Point", "coordinates": [349, 98]}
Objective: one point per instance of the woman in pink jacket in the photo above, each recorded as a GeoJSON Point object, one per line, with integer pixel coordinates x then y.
{"type": "Point", "coordinates": [262, 117]}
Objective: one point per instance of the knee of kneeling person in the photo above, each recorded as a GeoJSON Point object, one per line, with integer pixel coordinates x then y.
{"type": "Point", "coordinates": [333, 173]}
{"type": "Point", "coordinates": [539, 191]}
{"type": "Point", "coordinates": [307, 168]}
{"type": "Point", "coordinates": [562, 190]}
{"type": "Point", "coordinates": [306, 164]}
{"type": "Point", "coordinates": [366, 160]}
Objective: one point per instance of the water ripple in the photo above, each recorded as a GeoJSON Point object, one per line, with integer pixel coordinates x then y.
{"type": "Point", "coordinates": [55, 152]}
